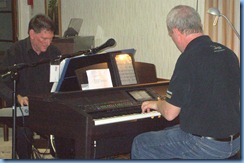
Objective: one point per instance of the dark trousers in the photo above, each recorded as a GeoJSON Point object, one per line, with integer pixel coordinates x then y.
{"type": "Point", "coordinates": [24, 140]}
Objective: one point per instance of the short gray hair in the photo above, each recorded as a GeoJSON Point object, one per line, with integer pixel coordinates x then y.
{"type": "Point", "coordinates": [185, 18]}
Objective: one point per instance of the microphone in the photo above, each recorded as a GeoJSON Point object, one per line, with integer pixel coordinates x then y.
{"type": "Point", "coordinates": [111, 42]}
{"type": "Point", "coordinates": [11, 69]}
{"type": "Point", "coordinates": [15, 67]}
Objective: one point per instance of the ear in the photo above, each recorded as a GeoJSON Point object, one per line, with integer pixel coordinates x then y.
{"type": "Point", "coordinates": [176, 31]}
{"type": "Point", "coordinates": [178, 34]}
{"type": "Point", "coordinates": [31, 33]}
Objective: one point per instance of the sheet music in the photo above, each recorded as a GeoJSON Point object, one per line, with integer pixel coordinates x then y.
{"type": "Point", "coordinates": [99, 78]}
{"type": "Point", "coordinates": [126, 69]}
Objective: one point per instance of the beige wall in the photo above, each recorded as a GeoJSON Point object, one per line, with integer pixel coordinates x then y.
{"type": "Point", "coordinates": [138, 24]}
{"type": "Point", "coordinates": [26, 12]}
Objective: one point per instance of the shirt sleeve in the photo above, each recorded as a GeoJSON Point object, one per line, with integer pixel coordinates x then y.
{"type": "Point", "coordinates": [179, 86]}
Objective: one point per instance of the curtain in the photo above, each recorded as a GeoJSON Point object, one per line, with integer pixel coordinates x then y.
{"type": "Point", "coordinates": [222, 31]}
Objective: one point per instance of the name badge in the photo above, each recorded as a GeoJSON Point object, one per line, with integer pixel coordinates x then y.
{"type": "Point", "coordinates": [54, 73]}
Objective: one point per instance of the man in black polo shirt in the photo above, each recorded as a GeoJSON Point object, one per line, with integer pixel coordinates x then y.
{"type": "Point", "coordinates": [31, 80]}
{"type": "Point", "coordinates": [204, 92]}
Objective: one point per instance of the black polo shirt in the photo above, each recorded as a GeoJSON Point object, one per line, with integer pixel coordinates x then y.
{"type": "Point", "coordinates": [206, 86]}
{"type": "Point", "coordinates": [31, 80]}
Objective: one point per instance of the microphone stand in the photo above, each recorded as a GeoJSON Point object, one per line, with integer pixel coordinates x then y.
{"type": "Point", "coordinates": [13, 72]}
{"type": "Point", "coordinates": [14, 76]}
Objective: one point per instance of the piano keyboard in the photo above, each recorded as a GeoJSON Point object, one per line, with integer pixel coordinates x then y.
{"type": "Point", "coordinates": [20, 111]}
{"type": "Point", "coordinates": [123, 118]}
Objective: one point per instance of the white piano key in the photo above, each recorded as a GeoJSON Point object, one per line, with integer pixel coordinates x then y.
{"type": "Point", "coordinates": [124, 118]}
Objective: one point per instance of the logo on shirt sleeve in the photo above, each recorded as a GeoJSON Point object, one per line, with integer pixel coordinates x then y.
{"type": "Point", "coordinates": [217, 48]}
{"type": "Point", "coordinates": [168, 94]}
